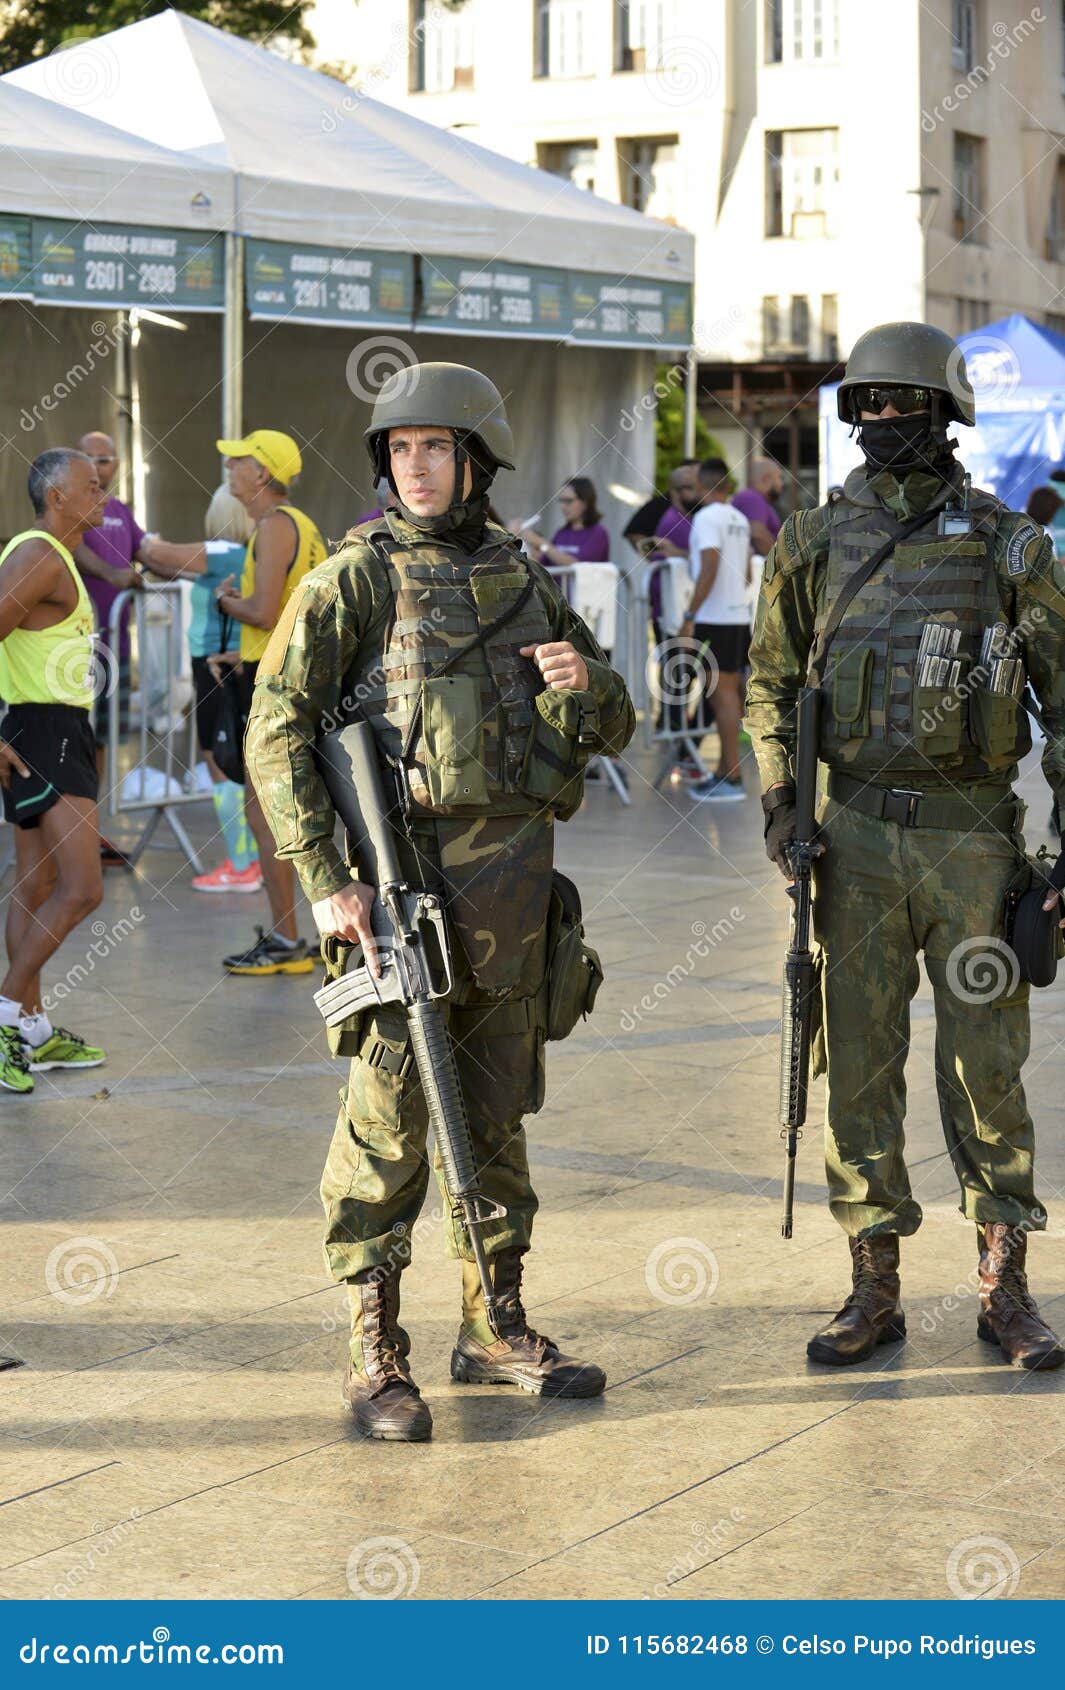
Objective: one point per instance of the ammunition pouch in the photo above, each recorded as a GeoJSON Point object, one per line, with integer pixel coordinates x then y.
{"type": "Point", "coordinates": [574, 971]}
{"type": "Point", "coordinates": [561, 740]}
{"type": "Point", "coordinates": [453, 740]}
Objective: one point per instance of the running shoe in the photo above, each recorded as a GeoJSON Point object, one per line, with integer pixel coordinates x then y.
{"type": "Point", "coordinates": [14, 1069]}
{"type": "Point", "coordinates": [63, 1050]}
{"type": "Point", "coordinates": [226, 878]}
{"type": "Point", "coordinates": [266, 956]}
{"type": "Point", "coordinates": [718, 790]}
{"type": "Point", "coordinates": [111, 856]}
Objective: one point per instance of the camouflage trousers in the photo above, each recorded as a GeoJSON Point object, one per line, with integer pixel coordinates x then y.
{"type": "Point", "coordinates": [883, 894]}
{"type": "Point", "coordinates": [377, 1171]}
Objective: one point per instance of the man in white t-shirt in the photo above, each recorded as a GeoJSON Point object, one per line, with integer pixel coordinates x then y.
{"type": "Point", "coordinates": [720, 556]}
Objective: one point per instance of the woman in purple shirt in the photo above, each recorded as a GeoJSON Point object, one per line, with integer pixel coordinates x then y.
{"type": "Point", "coordinates": [582, 537]}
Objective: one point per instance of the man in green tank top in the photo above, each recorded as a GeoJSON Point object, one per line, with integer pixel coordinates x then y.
{"type": "Point", "coordinates": [920, 608]}
{"type": "Point", "coordinates": [49, 793]}
{"type": "Point", "coordinates": [480, 681]}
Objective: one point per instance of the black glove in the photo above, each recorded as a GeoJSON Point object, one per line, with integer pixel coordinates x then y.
{"type": "Point", "coordinates": [778, 807]}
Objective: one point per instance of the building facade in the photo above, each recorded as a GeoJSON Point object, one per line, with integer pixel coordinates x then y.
{"type": "Point", "coordinates": [840, 163]}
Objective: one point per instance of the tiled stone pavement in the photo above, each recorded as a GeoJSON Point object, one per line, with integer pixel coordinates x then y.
{"type": "Point", "coordinates": [177, 1430]}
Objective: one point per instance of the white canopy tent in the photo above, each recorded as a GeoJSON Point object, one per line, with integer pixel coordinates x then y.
{"type": "Point", "coordinates": [308, 160]}
{"type": "Point", "coordinates": [321, 162]}
{"type": "Point", "coordinates": [66, 371]}
{"type": "Point", "coordinates": [59, 162]}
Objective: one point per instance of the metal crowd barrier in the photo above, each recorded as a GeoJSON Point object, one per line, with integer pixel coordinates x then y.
{"type": "Point", "coordinates": [607, 603]}
{"type": "Point", "coordinates": [160, 781]}
{"type": "Point", "coordinates": [675, 581]}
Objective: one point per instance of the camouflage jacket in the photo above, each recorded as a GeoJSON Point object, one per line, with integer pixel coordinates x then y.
{"type": "Point", "coordinates": [792, 605]}
{"type": "Point", "coordinates": [300, 686]}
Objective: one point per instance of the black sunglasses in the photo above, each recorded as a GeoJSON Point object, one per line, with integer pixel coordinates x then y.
{"type": "Point", "coordinates": [905, 400]}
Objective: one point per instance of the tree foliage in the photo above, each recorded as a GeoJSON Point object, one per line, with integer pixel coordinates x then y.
{"type": "Point", "coordinates": [669, 426]}
{"type": "Point", "coordinates": [31, 29]}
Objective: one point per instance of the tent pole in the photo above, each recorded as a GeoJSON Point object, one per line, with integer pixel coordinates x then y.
{"type": "Point", "coordinates": [690, 382]}
{"type": "Point", "coordinates": [233, 341]}
{"type": "Point", "coordinates": [124, 405]}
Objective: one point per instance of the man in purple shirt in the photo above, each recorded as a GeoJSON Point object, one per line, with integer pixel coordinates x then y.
{"type": "Point", "coordinates": [757, 503]}
{"type": "Point", "coordinates": [105, 558]}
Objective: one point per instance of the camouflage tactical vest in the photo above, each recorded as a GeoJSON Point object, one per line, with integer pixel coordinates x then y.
{"type": "Point", "coordinates": [877, 720]}
{"type": "Point", "coordinates": [472, 725]}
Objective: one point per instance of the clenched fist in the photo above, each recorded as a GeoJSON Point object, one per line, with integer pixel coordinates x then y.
{"type": "Point", "coordinates": [561, 665]}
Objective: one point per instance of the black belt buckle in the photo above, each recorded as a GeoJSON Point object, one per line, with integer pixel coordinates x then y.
{"type": "Point", "coordinates": [900, 805]}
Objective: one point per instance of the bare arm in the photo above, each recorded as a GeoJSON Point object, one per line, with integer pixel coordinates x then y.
{"type": "Point", "coordinates": [31, 576]}
{"type": "Point", "coordinates": [167, 558]}
{"type": "Point", "coordinates": [89, 564]}
{"type": "Point", "coordinates": [276, 542]}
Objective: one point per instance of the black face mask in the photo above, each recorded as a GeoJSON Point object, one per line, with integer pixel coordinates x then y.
{"type": "Point", "coordinates": [898, 443]}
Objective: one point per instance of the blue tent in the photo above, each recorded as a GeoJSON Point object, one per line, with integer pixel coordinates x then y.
{"type": "Point", "coordinates": [1017, 369]}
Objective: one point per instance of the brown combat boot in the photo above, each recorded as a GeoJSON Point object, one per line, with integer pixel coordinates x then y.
{"type": "Point", "coordinates": [518, 1356]}
{"type": "Point", "coordinates": [872, 1314]}
{"type": "Point", "coordinates": [382, 1395]}
{"type": "Point", "coordinates": [1008, 1314]}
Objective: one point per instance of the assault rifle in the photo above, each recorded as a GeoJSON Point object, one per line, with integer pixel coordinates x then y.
{"type": "Point", "coordinates": [801, 984]}
{"type": "Point", "coordinates": [416, 970]}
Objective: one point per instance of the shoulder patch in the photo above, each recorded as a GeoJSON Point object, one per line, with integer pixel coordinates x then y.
{"type": "Point", "coordinates": [1022, 548]}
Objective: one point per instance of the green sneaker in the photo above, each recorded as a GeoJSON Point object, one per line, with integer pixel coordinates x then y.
{"type": "Point", "coordinates": [63, 1050]}
{"type": "Point", "coordinates": [14, 1069]}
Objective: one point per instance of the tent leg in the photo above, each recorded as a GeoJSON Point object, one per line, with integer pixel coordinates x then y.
{"type": "Point", "coordinates": [690, 384]}
{"type": "Point", "coordinates": [233, 341]}
{"type": "Point", "coordinates": [124, 405]}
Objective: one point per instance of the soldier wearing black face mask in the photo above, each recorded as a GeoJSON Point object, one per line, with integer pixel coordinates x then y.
{"type": "Point", "coordinates": [919, 608]}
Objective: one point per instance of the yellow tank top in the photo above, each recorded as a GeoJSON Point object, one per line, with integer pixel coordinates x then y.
{"type": "Point", "coordinates": [310, 551]}
{"type": "Point", "coordinates": [50, 665]}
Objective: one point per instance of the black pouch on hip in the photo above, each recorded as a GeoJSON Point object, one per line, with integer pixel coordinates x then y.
{"type": "Point", "coordinates": [1032, 933]}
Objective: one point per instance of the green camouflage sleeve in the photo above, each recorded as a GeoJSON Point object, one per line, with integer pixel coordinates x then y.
{"type": "Point", "coordinates": [299, 682]}
{"type": "Point", "coordinates": [783, 634]}
{"type": "Point", "coordinates": [1024, 557]}
{"type": "Point", "coordinates": [606, 689]}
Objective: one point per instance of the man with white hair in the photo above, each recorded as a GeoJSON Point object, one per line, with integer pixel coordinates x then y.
{"type": "Point", "coordinates": [49, 777]}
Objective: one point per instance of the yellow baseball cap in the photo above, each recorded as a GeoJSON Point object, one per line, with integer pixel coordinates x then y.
{"type": "Point", "coordinates": [276, 452]}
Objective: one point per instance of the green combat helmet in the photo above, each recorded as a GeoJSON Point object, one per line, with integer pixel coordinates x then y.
{"type": "Point", "coordinates": [910, 355]}
{"type": "Point", "coordinates": [442, 396]}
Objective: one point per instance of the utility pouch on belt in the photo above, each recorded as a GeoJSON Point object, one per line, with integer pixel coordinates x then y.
{"type": "Point", "coordinates": [345, 1039]}
{"type": "Point", "coordinates": [453, 739]}
{"type": "Point", "coordinates": [574, 972]}
{"type": "Point", "coordinates": [1032, 933]}
{"type": "Point", "coordinates": [560, 743]}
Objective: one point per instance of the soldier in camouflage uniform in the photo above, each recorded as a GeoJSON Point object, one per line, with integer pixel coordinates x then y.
{"type": "Point", "coordinates": [494, 749]}
{"type": "Point", "coordinates": [920, 830]}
